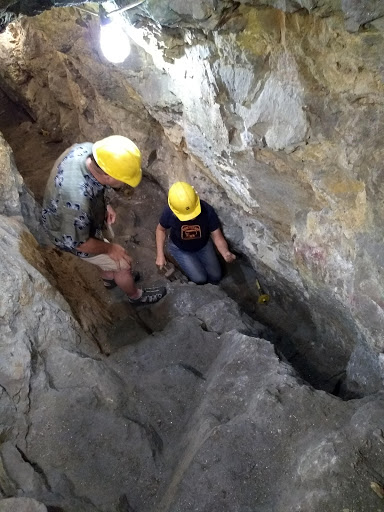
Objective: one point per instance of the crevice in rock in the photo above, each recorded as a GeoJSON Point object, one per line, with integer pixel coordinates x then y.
{"type": "Point", "coordinates": [49, 378]}
{"type": "Point", "coordinates": [36, 467]}
{"type": "Point", "coordinates": [155, 442]}
{"type": "Point", "coordinates": [123, 505]}
{"type": "Point", "coordinates": [245, 293]}
{"type": "Point", "coordinates": [193, 370]}
{"type": "Point", "coordinates": [78, 501]}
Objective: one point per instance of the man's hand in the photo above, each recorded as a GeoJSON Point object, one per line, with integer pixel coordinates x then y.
{"type": "Point", "coordinates": [119, 254]}
{"type": "Point", "coordinates": [111, 215]}
{"type": "Point", "coordinates": [161, 262]}
{"type": "Point", "coordinates": [229, 257]}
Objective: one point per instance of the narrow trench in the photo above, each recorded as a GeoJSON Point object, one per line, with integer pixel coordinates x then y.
{"type": "Point", "coordinates": [274, 317]}
{"type": "Point", "coordinates": [34, 155]}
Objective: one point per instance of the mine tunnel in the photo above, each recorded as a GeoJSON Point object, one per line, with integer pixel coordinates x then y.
{"type": "Point", "coordinates": [262, 392]}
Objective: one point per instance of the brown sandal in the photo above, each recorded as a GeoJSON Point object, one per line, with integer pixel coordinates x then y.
{"type": "Point", "coordinates": [109, 284]}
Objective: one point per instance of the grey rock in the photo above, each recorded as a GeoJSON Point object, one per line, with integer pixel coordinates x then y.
{"type": "Point", "coordinates": [16, 199]}
{"type": "Point", "coordinates": [379, 24]}
{"type": "Point", "coordinates": [358, 12]}
{"type": "Point", "coordinates": [21, 505]}
{"type": "Point", "coordinates": [364, 372]}
{"type": "Point", "coordinates": [157, 418]}
{"type": "Point", "coordinates": [18, 474]}
{"type": "Point", "coordinates": [196, 415]}
{"type": "Point", "coordinates": [229, 318]}
{"type": "Point", "coordinates": [230, 422]}
{"type": "Point", "coordinates": [10, 181]}
{"type": "Point", "coordinates": [181, 300]}
{"type": "Point", "coordinates": [262, 127]}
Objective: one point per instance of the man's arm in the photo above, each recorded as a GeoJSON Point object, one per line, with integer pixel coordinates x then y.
{"type": "Point", "coordinates": [160, 241]}
{"type": "Point", "coordinates": [114, 251]}
{"type": "Point", "coordinates": [222, 246]}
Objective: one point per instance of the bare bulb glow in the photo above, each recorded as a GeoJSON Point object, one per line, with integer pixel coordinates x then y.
{"type": "Point", "coordinates": [114, 42]}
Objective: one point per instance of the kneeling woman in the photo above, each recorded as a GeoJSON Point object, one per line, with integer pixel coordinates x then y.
{"type": "Point", "coordinates": [194, 225]}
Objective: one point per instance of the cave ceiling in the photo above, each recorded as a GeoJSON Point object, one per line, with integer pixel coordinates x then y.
{"type": "Point", "coordinates": [209, 12]}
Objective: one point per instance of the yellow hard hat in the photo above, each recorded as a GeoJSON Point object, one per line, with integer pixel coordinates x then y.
{"type": "Point", "coordinates": [120, 158]}
{"type": "Point", "coordinates": [183, 201]}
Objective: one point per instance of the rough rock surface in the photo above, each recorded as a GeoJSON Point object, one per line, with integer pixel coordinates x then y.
{"type": "Point", "coordinates": [21, 505]}
{"type": "Point", "coordinates": [211, 12]}
{"type": "Point", "coordinates": [10, 183]}
{"type": "Point", "coordinates": [195, 416]}
{"type": "Point", "coordinates": [186, 419]}
{"type": "Point", "coordinates": [275, 116]}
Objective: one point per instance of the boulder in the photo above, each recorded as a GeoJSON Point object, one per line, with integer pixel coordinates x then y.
{"type": "Point", "coordinates": [21, 505]}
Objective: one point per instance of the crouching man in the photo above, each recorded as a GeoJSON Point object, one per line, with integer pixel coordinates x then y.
{"type": "Point", "coordinates": [74, 208]}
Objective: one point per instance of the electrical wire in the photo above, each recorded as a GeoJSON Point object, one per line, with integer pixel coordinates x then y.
{"type": "Point", "coordinates": [126, 7]}
{"type": "Point", "coordinates": [116, 11]}
{"type": "Point", "coordinates": [86, 10]}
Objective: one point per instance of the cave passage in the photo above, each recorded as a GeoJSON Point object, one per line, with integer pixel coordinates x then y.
{"type": "Point", "coordinates": [212, 399]}
{"type": "Point", "coordinates": [35, 152]}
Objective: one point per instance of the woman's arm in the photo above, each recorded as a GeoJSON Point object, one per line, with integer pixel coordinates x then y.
{"type": "Point", "coordinates": [222, 246]}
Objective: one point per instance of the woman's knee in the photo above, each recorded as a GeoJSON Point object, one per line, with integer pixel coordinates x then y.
{"type": "Point", "coordinates": [200, 281]}
{"type": "Point", "coordinates": [198, 277]}
{"type": "Point", "coordinates": [214, 274]}
{"type": "Point", "coordinates": [195, 274]}
{"type": "Point", "coordinates": [214, 279]}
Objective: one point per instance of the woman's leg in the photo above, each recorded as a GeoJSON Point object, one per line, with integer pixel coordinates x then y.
{"type": "Point", "coordinates": [189, 264]}
{"type": "Point", "coordinates": [210, 261]}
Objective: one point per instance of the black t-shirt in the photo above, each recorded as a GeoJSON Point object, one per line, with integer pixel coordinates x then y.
{"type": "Point", "coordinates": [191, 235]}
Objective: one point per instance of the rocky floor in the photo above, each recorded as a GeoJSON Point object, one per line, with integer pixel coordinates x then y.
{"type": "Point", "coordinates": [181, 406]}
{"type": "Point", "coordinates": [199, 415]}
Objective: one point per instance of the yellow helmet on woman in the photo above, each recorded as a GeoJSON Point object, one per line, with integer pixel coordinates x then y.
{"type": "Point", "coordinates": [120, 158]}
{"type": "Point", "coordinates": [183, 201]}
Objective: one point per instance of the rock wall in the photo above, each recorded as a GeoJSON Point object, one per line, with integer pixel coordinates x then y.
{"type": "Point", "coordinates": [275, 113]}
{"type": "Point", "coordinates": [210, 422]}
{"type": "Point", "coordinates": [200, 416]}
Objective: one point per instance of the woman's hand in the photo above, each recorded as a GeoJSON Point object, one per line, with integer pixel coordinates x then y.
{"type": "Point", "coordinates": [229, 257]}
{"type": "Point", "coordinates": [161, 262]}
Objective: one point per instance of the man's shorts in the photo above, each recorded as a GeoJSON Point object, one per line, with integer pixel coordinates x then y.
{"type": "Point", "coordinates": [104, 262]}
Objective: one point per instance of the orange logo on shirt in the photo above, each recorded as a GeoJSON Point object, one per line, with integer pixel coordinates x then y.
{"type": "Point", "coordinates": [190, 232]}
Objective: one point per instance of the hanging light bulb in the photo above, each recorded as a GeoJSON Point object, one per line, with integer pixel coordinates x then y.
{"type": "Point", "coordinates": [114, 42]}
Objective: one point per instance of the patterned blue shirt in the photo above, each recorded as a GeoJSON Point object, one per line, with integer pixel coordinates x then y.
{"type": "Point", "coordinates": [73, 206]}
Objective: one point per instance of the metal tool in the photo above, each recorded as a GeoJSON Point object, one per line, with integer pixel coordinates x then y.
{"type": "Point", "coordinates": [168, 270]}
{"type": "Point", "coordinates": [263, 297]}
{"type": "Point", "coordinates": [110, 231]}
